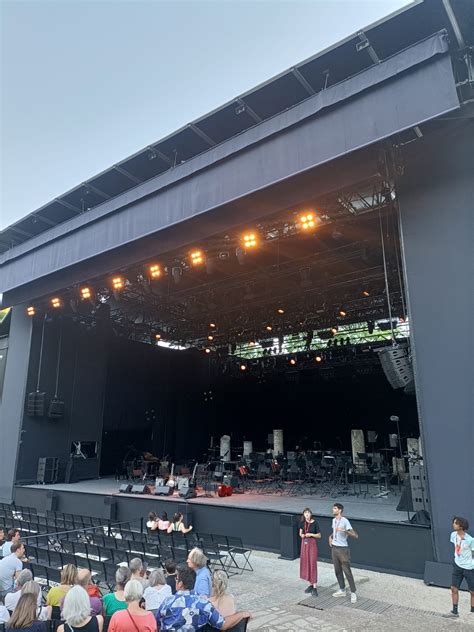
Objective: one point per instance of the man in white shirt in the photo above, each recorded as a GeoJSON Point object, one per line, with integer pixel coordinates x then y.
{"type": "Point", "coordinates": [12, 598]}
{"type": "Point", "coordinates": [10, 568]}
{"type": "Point", "coordinates": [340, 553]}
{"type": "Point", "coordinates": [463, 563]}
{"type": "Point", "coordinates": [13, 535]}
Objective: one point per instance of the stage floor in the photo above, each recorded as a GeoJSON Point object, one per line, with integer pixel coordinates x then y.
{"type": "Point", "coordinates": [366, 507]}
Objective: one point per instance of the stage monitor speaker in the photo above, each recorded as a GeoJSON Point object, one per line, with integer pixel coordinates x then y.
{"type": "Point", "coordinates": [140, 489]}
{"type": "Point", "coordinates": [187, 492]}
{"type": "Point", "coordinates": [163, 490]}
{"type": "Point", "coordinates": [35, 404]}
{"type": "Point", "coordinates": [396, 365]}
{"type": "Point", "coordinates": [56, 408]}
{"type": "Point", "coordinates": [125, 488]}
{"type": "Point", "coordinates": [289, 540]}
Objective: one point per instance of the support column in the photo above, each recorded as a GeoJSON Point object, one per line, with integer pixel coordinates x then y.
{"type": "Point", "coordinates": [436, 197]}
{"type": "Point", "coordinates": [13, 399]}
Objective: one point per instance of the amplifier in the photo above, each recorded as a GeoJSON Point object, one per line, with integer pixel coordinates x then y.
{"type": "Point", "coordinates": [163, 490]}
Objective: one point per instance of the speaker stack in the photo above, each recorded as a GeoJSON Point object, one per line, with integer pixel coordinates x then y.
{"type": "Point", "coordinates": [396, 365]}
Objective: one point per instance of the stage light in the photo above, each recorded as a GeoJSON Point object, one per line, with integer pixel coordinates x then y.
{"type": "Point", "coordinates": [197, 257]}
{"type": "Point", "coordinates": [31, 311]}
{"type": "Point", "coordinates": [155, 271]}
{"type": "Point", "coordinates": [268, 327]}
{"type": "Point", "coordinates": [281, 311]}
{"type": "Point", "coordinates": [342, 313]}
{"type": "Point", "coordinates": [334, 330]}
{"type": "Point", "coordinates": [210, 337]}
{"type": "Point", "coordinates": [243, 367]}
{"type": "Point", "coordinates": [212, 325]}
{"type": "Point", "coordinates": [56, 302]}
{"type": "Point", "coordinates": [207, 350]}
{"type": "Point", "coordinates": [365, 293]}
{"type": "Point", "coordinates": [250, 241]}
{"type": "Point", "coordinates": [318, 358]}
{"type": "Point", "coordinates": [86, 293]}
{"type": "Point", "coordinates": [307, 221]}
{"type": "Point", "coordinates": [252, 343]}
{"type": "Point", "coordinates": [157, 336]}
{"type": "Point", "coordinates": [293, 361]}
{"type": "Point", "coordinates": [117, 283]}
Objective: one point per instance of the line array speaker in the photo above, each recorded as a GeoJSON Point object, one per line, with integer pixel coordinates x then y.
{"type": "Point", "coordinates": [396, 365]}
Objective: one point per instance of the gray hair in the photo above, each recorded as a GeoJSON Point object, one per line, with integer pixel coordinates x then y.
{"type": "Point", "coordinates": [31, 587]}
{"type": "Point", "coordinates": [197, 557]}
{"type": "Point", "coordinates": [220, 583]}
{"type": "Point", "coordinates": [24, 576]}
{"type": "Point", "coordinates": [133, 591]}
{"type": "Point", "coordinates": [122, 575]}
{"type": "Point", "coordinates": [76, 607]}
{"type": "Point", "coordinates": [136, 565]}
{"type": "Point", "coordinates": [157, 578]}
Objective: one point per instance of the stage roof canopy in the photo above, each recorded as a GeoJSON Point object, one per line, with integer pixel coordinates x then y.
{"type": "Point", "coordinates": [345, 59]}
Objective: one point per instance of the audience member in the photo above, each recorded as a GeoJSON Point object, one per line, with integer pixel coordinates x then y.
{"type": "Point", "coordinates": [152, 522]}
{"type": "Point", "coordinates": [11, 599]}
{"type": "Point", "coordinates": [198, 562]}
{"type": "Point", "coordinates": [188, 611]}
{"type": "Point", "coordinates": [2, 538]}
{"type": "Point", "coordinates": [4, 614]}
{"type": "Point", "coordinates": [13, 535]}
{"type": "Point", "coordinates": [157, 591]}
{"type": "Point", "coordinates": [57, 593]}
{"type": "Point", "coordinates": [134, 618]}
{"type": "Point", "coordinates": [77, 613]}
{"type": "Point", "coordinates": [43, 613]}
{"type": "Point", "coordinates": [221, 599]}
{"type": "Point", "coordinates": [84, 579]}
{"type": "Point", "coordinates": [177, 524]}
{"type": "Point", "coordinates": [163, 522]}
{"type": "Point", "coordinates": [170, 568]}
{"type": "Point", "coordinates": [25, 616]}
{"type": "Point", "coordinates": [113, 602]}
{"type": "Point", "coordinates": [138, 571]}
{"type": "Point", "coordinates": [10, 567]}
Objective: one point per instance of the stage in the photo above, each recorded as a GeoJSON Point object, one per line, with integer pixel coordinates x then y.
{"type": "Point", "coordinates": [269, 522]}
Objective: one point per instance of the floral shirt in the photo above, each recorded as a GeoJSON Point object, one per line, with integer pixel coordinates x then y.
{"type": "Point", "coordinates": [186, 611]}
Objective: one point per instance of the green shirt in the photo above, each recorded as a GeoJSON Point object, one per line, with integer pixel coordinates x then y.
{"type": "Point", "coordinates": [112, 604]}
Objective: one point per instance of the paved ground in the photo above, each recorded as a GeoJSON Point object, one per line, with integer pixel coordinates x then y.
{"type": "Point", "coordinates": [273, 592]}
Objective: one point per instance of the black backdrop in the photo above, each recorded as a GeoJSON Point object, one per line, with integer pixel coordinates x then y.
{"type": "Point", "coordinates": [310, 406]}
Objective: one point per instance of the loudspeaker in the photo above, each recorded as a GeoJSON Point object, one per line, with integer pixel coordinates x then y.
{"type": "Point", "coordinates": [56, 408]}
{"type": "Point", "coordinates": [35, 404]}
{"type": "Point", "coordinates": [47, 471]}
{"type": "Point", "coordinates": [110, 508]}
{"type": "Point", "coordinates": [187, 492]}
{"type": "Point", "coordinates": [140, 489]}
{"type": "Point", "coordinates": [418, 485]}
{"type": "Point", "coordinates": [289, 540]}
{"type": "Point", "coordinates": [51, 501]}
{"type": "Point", "coordinates": [421, 517]}
{"type": "Point", "coordinates": [163, 490]}
{"type": "Point", "coordinates": [396, 365]}
{"type": "Point", "coordinates": [125, 488]}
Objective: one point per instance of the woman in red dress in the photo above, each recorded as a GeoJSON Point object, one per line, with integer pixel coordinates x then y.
{"type": "Point", "coordinates": [309, 533]}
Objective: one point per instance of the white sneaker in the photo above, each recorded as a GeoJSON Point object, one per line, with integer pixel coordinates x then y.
{"type": "Point", "coordinates": [339, 593]}
{"type": "Point", "coordinates": [353, 597]}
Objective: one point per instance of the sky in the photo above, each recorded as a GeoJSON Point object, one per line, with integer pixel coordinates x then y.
{"type": "Point", "coordinates": [85, 83]}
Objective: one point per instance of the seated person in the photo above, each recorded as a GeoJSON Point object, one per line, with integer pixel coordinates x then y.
{"type": "Point", "coordinates": [10, 567]}
{"type": "Point", "coordinates": [170, 569]}
{"type": "Point", "coordinates": [134, 618]}
{"type": "Point", "coordinates": [198, 562]}
{"type": "Point", "coordinates": [12, 598]}
{"type": "Point", "coordinates": [187, 611]}
{"type": "Point", "coordinates": [13, 535]}
{"type": "Point", "coordinates": [57, 593]}
{"type": "Point", "coordinates": [2, 537]}
{"type": "Point", "coordinates": [221, 599]}
{"type": "Point", "coordinates": [163, 522]}
{"type": "Point", "coordinates": [77, 613]}
{"type": "Point", "coordinates": [116, 601]}
{"type": "Point", "coordinates": [157, 591]}
{"type": "Point", "coordinates": [31, 587]}
{"type": "Point", "coordinates": [152, 522]}
{"type": "Point", "coordinates": [25, 616]}
{"type": "Point", "coordinates": [138, 571]}
{"type": "Point", "coordinates": [177, 525]}
{"type": "Point", "coordinates": [84, 579]}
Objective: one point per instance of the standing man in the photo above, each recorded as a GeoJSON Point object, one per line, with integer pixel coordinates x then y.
{"type": "Point", "coordinates": [463, 564]}
{"type": "Point", "coordinates": [341, 555]}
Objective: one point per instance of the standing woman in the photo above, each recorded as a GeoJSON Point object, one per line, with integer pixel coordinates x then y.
{"type": "Point", "coordinates": [309, 533]}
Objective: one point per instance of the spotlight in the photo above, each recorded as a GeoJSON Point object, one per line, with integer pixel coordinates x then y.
{"type": "Point", "coordinates": [197, 257]}
{"type": "Point", "coordinates": [210, 337]}
{"type": "Point", "coordinates": [207, 350]}
{"type": "Point", "coordinates": [243, 367]}
{"type": "Point", "coordinates": [117, 283]}
{"type": "Point", "coordinates": [56, 302]}
{"type": "Point", "coordinates": [281, 311]}
{"type": "Point", "coordinates": [342, 313]}
{"type": "Point", "coordinates": [212, 325]}
{"type": "Point", "coordinates": [334, 330]}
{"type": "Point", "coordinates": [157, 336]}
{"type": "Point", "coordinates": [252, 343]}
{"type": "Point", "coordinates": [31, 311]}
{"type": "Point", "coordinates": [154, 271]}
{"type": "Point", "coordinates": [318, 358]}
{"type": "Point", "coordinates": [307, 221]}
{"type": "Point", "coordinates": [86, 293]}
{"type": "Point", "coordinates": [268, 327]}
{"type": "Point", "coordinates": [365, 293]}
{"type": "Point", "coordinates": [250, 241]}
{"type": "Point", "coordinates": [293, 361]}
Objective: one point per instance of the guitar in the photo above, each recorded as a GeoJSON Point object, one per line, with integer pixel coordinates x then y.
{"type": "Point", "coordinates": [171, 480]}
{"type": "Point", "coordinates": [192, 480]}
